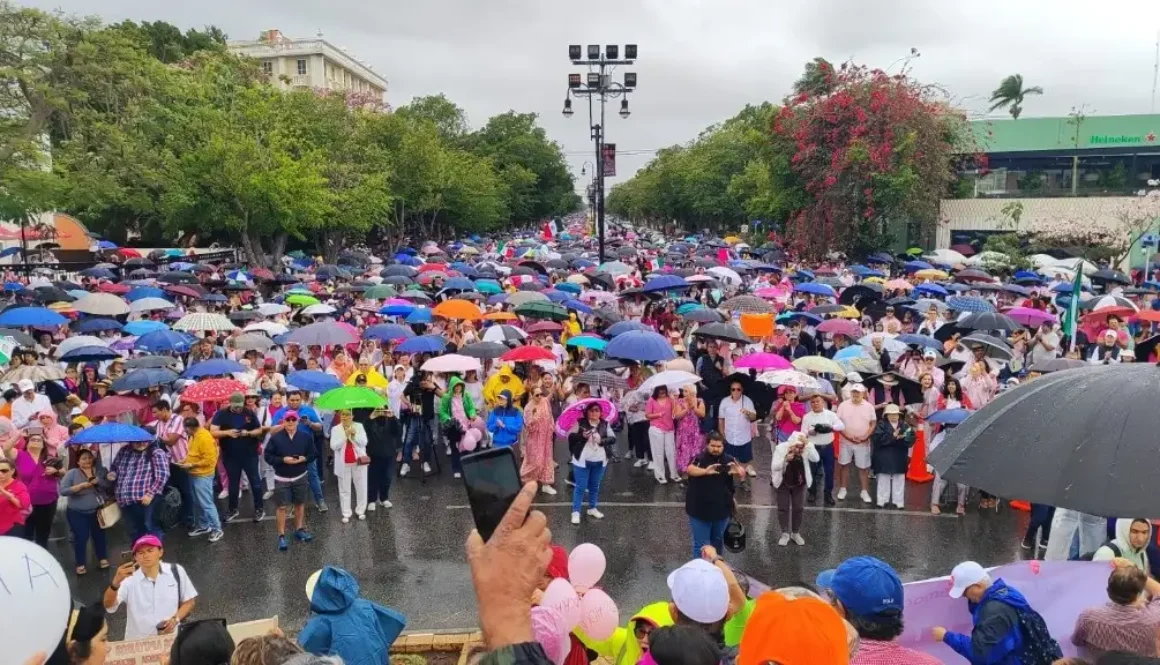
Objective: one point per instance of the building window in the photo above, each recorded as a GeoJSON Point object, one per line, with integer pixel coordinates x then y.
{"type": "Point", "coordinates": [301, 67]}
{"type": "Point", "coordinates": [268, 67]}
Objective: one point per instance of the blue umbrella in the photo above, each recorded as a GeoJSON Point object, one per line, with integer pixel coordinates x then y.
{"type": "Point", "coordinates": [587, 342]}
{"type": "Point", "coordinates": [238, 276]}
{"type": "Point", "coordinates": [931, 287]}
{"type": "Point", "coordinates": [969, 304]}
{"type": "Point", "coordinates": [106, 244]}
{"type": "Point", "coordinates": [556, 296]}
{"type": "Point", "coordinates": [143, 327]}
{"type": "Point", "coordinates": [618, 329]}
{"type": "Point", "coordinates": [1062, 287]}
{"type": "Point", "coordinates": [97, 273]}
{"type": "Point", "coordinates": [396, 310]}
{"type": "Point", "coordinates": [665, 283]}
{"type": "Point", "coordinates": [419, 315]}
{"type": "Point", "coordinates": [13, 286]}
{"type": "Point", "coordinates": [411, 261]}
{"type": "Point", "coordinates": [110, 433]}
{"type": "Point", "coordinates": [915, 266]}
{"type": "Point", "coordinates": [583, 264]}
{"type": "Point", "coordinates": [145, 378]}
{"type": "Point", "coordinates": [850, 353]}
{"type": "Point", "coordinates": [802, 273]}
{"type": "Point", "coordinates": [312, 380]}
{"type": "Point", "coordinates": [1022, 275]}
{"type": "Point", "coordinates": [814, 319]}
{"type": "Point", "coordinates": [879, 257]}
{"type": "Point", "coordinates": [423, 344]}
{"type": "Point", "coordinates": [860, 270]}
{"type": "Point", "coordinates": [497, 299]}
{"type": "Point", "coordinates": [920, 340]}
{"type": "Point", "coordinates": [17, 317]}
{"type": "Point", "coordinates": [642, 346]}
{"type": "Point", "coordinates": [212, 368]}
{"type": "Point", "coordinates": [1015, 288]}
{"type": "Point", "coordinates": [145, 292]}
{"type": "Point", "coordinates": [96, 324]}
{"type": "Point", "coordinates": [163, 341]}
{"type": "Point", "coordinates": [574, 289]}
{"type": "Point", "coordinates": [576, 305]}
{"type": "Point", "coordinates": [86, 353]}
{"type": "Point", "coordinates": [948, 416]}
{"type": "Point", "coordinates": [11, 251]}
{"type": "Point", "coordinates": [459, 284]}
{"type": "Point", "coordinates": [388, 331]}
{"type": "Point", "coordinates": [956, 287]}
{"type": "Point", "coordinates": [815, 288]}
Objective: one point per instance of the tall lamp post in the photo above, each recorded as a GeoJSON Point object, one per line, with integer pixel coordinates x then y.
{"type": "Point", "coordinates": [598, 84]}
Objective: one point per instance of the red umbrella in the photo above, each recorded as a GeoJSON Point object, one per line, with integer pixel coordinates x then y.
{"type": "Point", "coordinates": [212, 390]}
{"type": "Point", "coordinates": [528, 354]}
{"type": "Point", "coordinates": [427, 267]}
{"type": "Point", "coordinates": [179, 290]}
{"type": "Point", "coordinates": [111, 287]}
{"type": "Point", "coordinates": [129, 253]}
{"type": "Point", "coordinates": [965, 250]}
{"type": "Point", "coordinates": [545, 326]}
{"type": "Point", "coordinates": [262, 273]}
{"type": "Point", "coordinates": [115, 405]}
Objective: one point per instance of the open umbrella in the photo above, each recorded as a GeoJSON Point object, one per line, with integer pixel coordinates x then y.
{"type": "Point", "coordinates": [642, 346]}
{"type": "Point", "coordinates": [204, 321]}
{"type": "Point", "coordinates": [252, 342]}
{"type": "Point", "coordinates": [314, 381]}
{"type": "Point", "coordinates": [988, 321]}
{"type": "Point", "coordinates": [576, 411]}
{"type": "Point", "coordinates": [33, 373]}
{"type": "Point", "coordinates": [601, 378]}
{"type": "Point", "coordinates": [90, 353]}
{"type": "Point", "coordinates": [1030, 317]}
{"type": "Point", "coordinates": [151, 362]}
{"type": "Point", "coordinates": [1058, 365]}
{"type": "Point", "coordinates": [323, 333]}
{"type": "Point", "coordinates": [214, 367]}
{"type": "Point", "coordinates": [587, 342]}
{"type": "Point", "coordinates": [622, 327]}
{"type": "Point", "coordinates": [789, 377]}
{"type": "Point", "coordinates": [350, 397]}
{"type": "Point", "coordinates": [145, 378]}
{"type": "Point", "coordinates": [452, 362]}
{"type": "Point", "coordinates": [762, 362]}
{"type": "Point", "coordinates": [164, 341]}
{"type": "Point", "coordinates": [110, 433]}
{"type": "Point", "coordinates": [116, 405]}
{"type": "Point", "coordinates": [542, 310]}
{"type": "Point", "coordinates": [992, 346]}
{"type": "Point", "coordinates": [819, 365]}
{"type": "Point", "coordinates": [748, 304]}
{"type": "Point", "coordinates": [386, 332]}
{"type": "Point", "coordinates": [423, 344]}
{"type": "Point", "coordinates": [484, 350]}
{"type": "Point", "coordinates": [726, 332]}
{"type": "Point", "coordinates": [211, 390]}
{"type": "Point", "coordinates": [528, 354]}
{"type": "Point", "coordinates": [670, 378]}
{"type": "Point", "coordinates": [102, 304]}
{"type": "Point", "coordinates": [502, 333]}
{"type": "Point", "coordinates": [40, 317]}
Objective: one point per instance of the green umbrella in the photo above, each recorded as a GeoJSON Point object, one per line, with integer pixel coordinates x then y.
{"type": "Point", "coordinates": [349, 397]}
{"type": "Point", "coordinates": [7, 346]}
{"type": "Point", "coordinates": [914, 251]}
{"type": "Point", "coordinates": [380, 292]}
{"type": "Point", "coordinates": [586, 342]}
{"type": "Point", "coordinates": [488, 287]}
{"type": "Point", "coordinates": [301, 300]}
{"type": "Point", "coordinates": [542, 309]}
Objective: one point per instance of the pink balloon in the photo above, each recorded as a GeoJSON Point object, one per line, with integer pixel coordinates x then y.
{"type": "Point", "coordinates": [561, 596]}
{"type": "Point", "coordinates": [549, 630]}
{"type": "Point", "coordinates": [470, 440]}
{"type": "Point", "coordinates": [598, 615]}
{"type": "Point", "coordinates": [586, 566]}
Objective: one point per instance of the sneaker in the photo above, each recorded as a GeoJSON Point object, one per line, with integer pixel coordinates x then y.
{"type": "Point", "coordinates": [651, 466]}
{"type": "Point", "coordinates": [197, 532]}
{"type": "Point", "coordinates": [592, 512]}
{"type": "Point", "coordinates": [569, 482]}
{"type": "Point", "coordinates": [784, 540]}
{"type": "Point", "coordinates": [260, 515]}
{"type": "Point", "coordinates": [900, 506]}
{"type": "Point", "coordinates": [549, 490]}
{"type": "Point", "coordinates": [321, 506]}
{"type": "Point", "coordinates": [303, 536]}
{"type": "Point", "coordinates": [812, 496]}
{"type": "Point", "coordinates": [457, 475]}
{"type": "Point", "coordinates": [371, 506]}
{"type": "Point", "coordinates": [1043, 544]}
{"type": "Point", "coordinates": [268, 495]}
{"type": "Point", "coordinates": [575, 518]}
{"type": "Point", "coordinates": [829, 500]}
{"type": "Point", "coordinates": [1024, 544]}
{"type": "Point", "coordinates": [426, 468]}
{"type": "Point", "coordinates": [224, 494]}
{"type": "Point", "coordinates": [282, 544]}
{"type": "Point", "coordinates": [639, 463]}
{"type": "Point", "coordinates": [362, 516]}
{"type": "Point", "coordinates": [404, 470]}
{"type": "Point", "coordinates": [216, 536]}
{"type": "Point", "coordinates": [751, 471]}
{"type": "Point", "coordinates": [866, 497]}
{"type": "Point", "coordinates": [231, 517]}
{"type": "Point", "coordinates": [842, 494]}
{"type": "Point", "coordinates": [346, 520]}
{"type": "Point", "coordinates": [797, 538]}
{"type": "Point", "coordinates": [662, 481]}
{"type": "Point", "coordinates": [387, 504]}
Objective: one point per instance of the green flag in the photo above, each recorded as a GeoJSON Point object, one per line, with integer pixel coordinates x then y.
{"type": "Point", "coordinates": [1073, 306]}
{"type": "Point", "coordinates": [7, 346]}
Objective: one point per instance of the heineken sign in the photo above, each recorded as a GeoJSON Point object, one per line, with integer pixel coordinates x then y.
{"type": "Point", "coordinates": [1121, 139]}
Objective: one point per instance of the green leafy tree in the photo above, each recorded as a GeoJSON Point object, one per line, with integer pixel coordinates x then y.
{"type": "Point", "coordinates": [165, 41]}
{"type": "Point", "coordinates": [1010, 95]}
{"type": "Point", "coordinates": [449, 119]}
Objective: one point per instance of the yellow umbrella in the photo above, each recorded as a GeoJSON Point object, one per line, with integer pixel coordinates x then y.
{"type": "Point", "coordinates": [848, 312]}
{"type": "Point", "coordinates": [874, 280]}
{"type": "Point", "coordinates": [577, 279]}
{"type": "Point", "coordinates": [732, 240]}
{"type": "Point", "coordinates": [931, 273]}
{"type": "Point", "coordinates": [818, 364]}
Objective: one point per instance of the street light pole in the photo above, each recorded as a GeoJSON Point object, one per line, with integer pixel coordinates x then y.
{"type": "Point", "coordinates": [601, 63]}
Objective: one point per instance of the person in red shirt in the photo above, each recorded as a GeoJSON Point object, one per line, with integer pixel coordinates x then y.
{"type": "Point", "coordinates": [15, 503]}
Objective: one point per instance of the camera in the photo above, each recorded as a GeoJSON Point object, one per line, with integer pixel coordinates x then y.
{"type": "Point", "coordinates": [821, 428]}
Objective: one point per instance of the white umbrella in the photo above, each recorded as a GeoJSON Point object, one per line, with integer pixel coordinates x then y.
{"type": "Point", "coordinates": [79, 341]}
{"type": "Point", "coordinates": [946, 256]}
{"type": "Point", "coordinates": [1087, 266]}
{"type": "Point", "coordinates": [269, 327]}
{"type": "Point", "coordinates": [452, 362]}
{"type": "Point", "coordinates": [102, 304]}
{"type": "Point", "coordinates": [501, 333]}
{"type": "Point", "coordinates": [318, 310]}
{"type": "Point", "coordinates": [199, 321]}
{"type": "Point", "coordinates": [789, 377]}
{"type": "Point", "coordinates": [150, 304]}
{"type": "Point", "coordinates": [726, 275]}
{"type": "Point", "coordinates": [888, 342]}
{"type": "Point", "coordinates": [670, 378]}
{"type": "Point", "coordinates": [273, 309]}
{"type": "Point", "coordinates": [1042, 260]}
{"type": "Point", "coordinates": [252, 341]}
{"type": "Point", "coordinates": [683, 364]}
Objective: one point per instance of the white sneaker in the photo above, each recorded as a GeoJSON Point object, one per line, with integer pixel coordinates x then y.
{"type": "Point", "coordinates": [457, 475]}
{"type": "Point", "coordinates": [592, 512]}
{"type": "Point", "coordinates": [346, 520]}
{"type": "Point", "coordinates": [752, 472]}
{"type": "Point", "coordinates": [362, 516]}
{"type": "Point", "coordinates": [268, 495]}
{"type": "Point", "coordinates": [797, 538]}
{"type": "Point", "coordinates": [404, 470]}
{"type": "Point", "coordinates": [841, 494]}
{"type": "Point", "coordinates": [549, 490]}
{"type": "Point", "coordinates": [640, 462]}
{"type": "Point", "coordinates": [224, 494]}
{"type": "Point", "coordinates": [216, 536]}
{"type": "Point", "coordinates": [387, 504]}
{"type": "Point", "coordinates": [652, 466]}
{"type": "Point", "coordinates": [426, 467]}
{"type": "Point", "coordinates": [371, 505]}
{"type": "Point", "coordinates": [866, 497]}
{"type": "Point", "coordinates": [784, 540]}
{"type": "Point", "coordinates": [575, 518]}
{"type": "Point", "coordinates": [662, 481]}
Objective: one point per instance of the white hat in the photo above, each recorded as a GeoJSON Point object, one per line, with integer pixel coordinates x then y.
{"type": "Point", "coordinates": [930, 353]}
{"type": "Point", "coordinates": [25, 385]}
{"type": "Point", "coordinates": [854, 377]}
{"type": "Point", "coordinates": [857, 388]}
{"type": "Point", "coordinates": [892, 408]}
{"type": "Point", "coordinates": [700, 591]}
{"type": "Point", "coordinates": [966, 574]}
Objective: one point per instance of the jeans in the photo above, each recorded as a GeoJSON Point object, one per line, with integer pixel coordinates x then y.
{"type": "Point", "coordinates": [314, 481]}
{"type": "Point", "coordinates": [1070, 525]}
{"type": "Point", "coordinates": [179, 478]}
{"type": "Point", "coordinates": [419, 433]}
{"type": "Point", "coordinates": [140, 519]}
{"type": "Point", "coordinates": [587, 477]}
{"type": "Point", "coordinates": [823, 465]}
{"type": "Point", "coordinates": [379, 476]}
{"type": "Point", "coordinates": [236, 465]}
{"type": "Point", "coordinates": [207, 512]}
{"type": "Point", "coordinates": [708, 532]}
{"type": "Point", "coordinates": [85, 526]}
{"type": "Point", "coordinates": [1041, 517]}
{"type": "Point", "coordinates": [38, 525]}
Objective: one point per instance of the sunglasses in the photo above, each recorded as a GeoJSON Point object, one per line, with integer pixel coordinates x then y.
{"type": "Point", "coordinates": [734, 390]}
{"type": "Point", "coordinates": [291, 420]}
{"type": "Point", "coordinates": [642, 629]}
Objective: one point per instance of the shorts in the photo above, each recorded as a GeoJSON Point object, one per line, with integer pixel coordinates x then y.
{"type": "Point", "coordinates": [743, 453]}
{"type": "Point", "coordinates": [290, 492]}
{"type": "Point", "coordinates": [858, 453]}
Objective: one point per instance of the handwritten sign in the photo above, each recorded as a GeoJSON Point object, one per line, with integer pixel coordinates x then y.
{"type": "Point", "coordinates": [33, 581]}
{"type": "Point", "coordinates": [151, 649]}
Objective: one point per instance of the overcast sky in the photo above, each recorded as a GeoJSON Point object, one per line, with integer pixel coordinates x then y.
{"type": "Point", "coordinates": [700, 61]}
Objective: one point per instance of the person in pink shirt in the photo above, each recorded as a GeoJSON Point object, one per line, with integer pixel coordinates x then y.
{"type": "Point", "coordinates": [662, 434]}
{"type": "Point", "coordinates": [787, 413]}
{"type": "Point", "coordinates": [860, 418]}
{"type": "Point", "coordinates": [15, 503]}
{"type": "Point", "coordinates": [979, 386]}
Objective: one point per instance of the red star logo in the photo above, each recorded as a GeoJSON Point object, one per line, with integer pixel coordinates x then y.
{"type": "Point", "coordinates": [1151, 137]}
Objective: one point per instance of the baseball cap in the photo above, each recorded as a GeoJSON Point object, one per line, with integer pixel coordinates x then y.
{"type": "Point", "coordinates": [237, 399]}
{"type": "Point", "coordinates": [929, 353]}
{"type": "Point", "coordinates": [865, 586]}
{"type": "Point", "coordinates": [964, 575]}
{"type": "Point", "coordinates": [798, 631]}
{"type": "Point", "coordinates": [25, 385]}
{"type": "Point", "coordinates": [290, 414]}
{"type": "Point", "coordinates": [857, 388]}
{"type": "Point", "coordinates": [892, 408]}
{"type": "Point", "coordinates": [148, 540]}
{"type": "Point", "coordinates": [700, 591]}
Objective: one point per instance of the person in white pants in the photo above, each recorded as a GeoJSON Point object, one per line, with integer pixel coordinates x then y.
{"type": "Point", "coordinates": [349, 442]}
{"type": "Point", "coordinates": [662, 435]}
{"type": "Point", "coordinates": [890, 455]}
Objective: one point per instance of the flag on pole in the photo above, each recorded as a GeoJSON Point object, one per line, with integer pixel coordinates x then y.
{"type": "Point", "coordinates": [7, 346]}
{"type": "Point", "coordinates": [1073, 306]}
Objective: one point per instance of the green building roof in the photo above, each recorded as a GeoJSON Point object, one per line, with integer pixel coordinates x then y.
{"type": "Point", "coordinates": [1042, 134]}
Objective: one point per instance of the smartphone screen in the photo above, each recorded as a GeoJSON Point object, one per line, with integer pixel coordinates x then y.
{"type": "Point", "coordinates": [493, 481]}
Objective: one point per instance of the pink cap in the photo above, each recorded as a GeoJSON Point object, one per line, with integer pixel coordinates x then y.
{"type": "Point", "coordinates": [291, 414]}
{"type": "Point", "coordinates": [148, 540]}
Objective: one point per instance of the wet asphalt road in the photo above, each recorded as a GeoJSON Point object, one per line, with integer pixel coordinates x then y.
{"type": "Point", "coordinates": [411, 557]}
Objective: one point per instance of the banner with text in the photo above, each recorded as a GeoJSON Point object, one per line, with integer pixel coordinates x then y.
{"type": "Point", "coordinates": [150, 650]}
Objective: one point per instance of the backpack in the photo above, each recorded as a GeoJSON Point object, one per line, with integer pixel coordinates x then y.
{"type": "Point", "coordinates": [168, 512]}
{"type": "Point", "coordinates": [1039, 647]}
{"type": "Point", "coordinates": [1111, 545]}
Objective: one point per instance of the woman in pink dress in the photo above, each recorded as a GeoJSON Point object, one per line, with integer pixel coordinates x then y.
{"type": "Point", "coordinates": [689, 411]}
{"type": "Point", "coordinates": [540, 429]}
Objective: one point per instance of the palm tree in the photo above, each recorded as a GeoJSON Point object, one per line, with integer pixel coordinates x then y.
{"type": "Point", "coordinates": [1010, 93]}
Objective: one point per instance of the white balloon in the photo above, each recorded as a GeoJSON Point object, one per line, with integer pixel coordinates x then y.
{"type": "Point", "coordinates": [32, 581]}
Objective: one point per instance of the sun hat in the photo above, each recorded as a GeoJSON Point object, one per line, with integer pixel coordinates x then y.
{"type": "Point", "coordinates": [892, 408]}
{"type": "Point", "coordinates": [699, 591]}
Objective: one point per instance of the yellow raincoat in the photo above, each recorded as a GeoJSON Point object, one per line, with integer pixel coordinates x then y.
{"type": "Point", "coordinates": [571, 328]}
{"type": "Point", "coordinates": [496, 385]}
{"type": "Point", "coordinates": [623, 648]}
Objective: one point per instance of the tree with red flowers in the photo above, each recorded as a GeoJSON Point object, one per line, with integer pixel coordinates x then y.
{"type": "Point", "coordinates": [871, 151]}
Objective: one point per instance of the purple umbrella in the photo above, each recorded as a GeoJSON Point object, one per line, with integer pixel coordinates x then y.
{"type": "Point", "coordinates": [1030, 317]}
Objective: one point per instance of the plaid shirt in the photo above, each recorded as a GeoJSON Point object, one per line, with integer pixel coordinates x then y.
{"type": "Point", "coordinates": [140, 473]}
{"type": "Point", "coordinates": [1113, 627]}
{"type": "Point", "coordinates": [873, 652]}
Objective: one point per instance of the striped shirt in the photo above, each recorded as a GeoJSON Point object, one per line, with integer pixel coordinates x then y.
{"type": "Point", "coordinates": [175, 425]}
{"type": "Point", "coordinates": [1113, 627]}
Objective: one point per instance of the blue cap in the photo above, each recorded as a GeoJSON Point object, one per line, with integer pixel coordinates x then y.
{"type": "Point", "coordinates": [865, 586]}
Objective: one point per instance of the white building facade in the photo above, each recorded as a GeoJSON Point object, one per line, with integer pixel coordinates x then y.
{"type": "Point", "coordinates": [310, 63]}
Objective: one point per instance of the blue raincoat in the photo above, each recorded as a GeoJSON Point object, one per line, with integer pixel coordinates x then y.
{"type": "Point", "coordinates": [344, 625]}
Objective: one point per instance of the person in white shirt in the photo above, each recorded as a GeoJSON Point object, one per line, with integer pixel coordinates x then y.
{"type": "Point", "coordinates": [28, 406]}
{"type": "Point", "coordinates": [735, 419]}
{"type": "Point", "coordinates": [348, 440]}
{"type": "Point", "coordinates": [1044, 344]}
{"type": "Point", "coordinates": [158, 596]}
{"type": "Point", "coordinates": [819, 424]}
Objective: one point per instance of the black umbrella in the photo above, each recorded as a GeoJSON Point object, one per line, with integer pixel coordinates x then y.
{"type": "Point", "coordinates": [50, 294]}
{"type": "Point", "coordinates": [762, 394]}
{"type": "Point", "coordinates": [19, 336]}
{"type": "Point", "coordinates": [1108, 275]}
{"type": "Point", "coordinates": [948, 330]}
{"type": "Point", "coordinates": [992, 346]}
{"type": "Point", "coordinates": [1085, 440]}
{"type": "Point", "coordinates": [601, 378]}
{"type": "Point", "coordinates": [484, 350]}
{"type": "Point", "coordinates": [607, 364]}
{"type": "Point", "coordinates": [137, 262]}
{"type": "Point", "coordinates": [822, 310]}
{"type": "Point", "coordinates": [911, 390]}
{"type": "Point", "coordinates": [151, 362]}
{"type": "Point", "coordinates": [243, 315]}
{"type": "Point", "coordinates": [726, 332]}
{"type": "Point", "coordinates": [989, 321]}
{"type": "Point", "coordinates": [859, 293]}
{"type": "Point", "coordinates": [1057, 365]}
{"type": "Point", "coordinates": [608, 315]}
{"type": "Point", "coordinates": [950, 365]}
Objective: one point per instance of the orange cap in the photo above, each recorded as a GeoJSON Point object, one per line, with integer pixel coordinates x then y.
{"type": "Point", "coordinates": [803, 631]}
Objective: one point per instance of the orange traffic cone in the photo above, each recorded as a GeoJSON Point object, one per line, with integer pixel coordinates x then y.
{"type": "Point", "coordinates": [1021, 505]}
{"type": "Point", "coordinates": [917, 472]}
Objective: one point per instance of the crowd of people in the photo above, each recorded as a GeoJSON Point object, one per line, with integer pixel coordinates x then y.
{"type": "Point", "coordinates": [698, 351]}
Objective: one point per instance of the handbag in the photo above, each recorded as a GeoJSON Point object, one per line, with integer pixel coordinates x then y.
{"type": "Point", "coordinates": [108, 514]}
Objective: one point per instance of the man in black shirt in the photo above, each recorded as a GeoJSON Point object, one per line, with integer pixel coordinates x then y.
{"type": "Point", "coordinates": [709, 497]}
{"type": "Point", "coordinates": [238, 431]}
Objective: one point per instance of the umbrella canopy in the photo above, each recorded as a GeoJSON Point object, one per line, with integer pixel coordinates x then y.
{"type": "Point", "coordinates": [116, 405]}
{"type": "Point", "coordinates": [851, 329]}
{"type": "Point", "coordinates": [726, 332]}
{"type": "Point", "coordinates": [818, 364]}
{"type": "Point", "coordinates": [40, 317]}
{"type": "Point", "coordinates": [19, 336]}
{"type": "Point", "coordinates": [89, 353]}
{"type": "Point", "coordinates": [503, 333]}
{"type": "Point", "coordinates": [748, 304]}
{"type": "Point", "coordinates": [600, 378]}
{"type": "Point", "coordinates": [314, 381]}
{"type": "Point", "coordinates": [576, 411]}
{"type": "Point", "coordinates": [110, 433]}
{"type": "Point", "coordinates": [528, 354]}
{"type": "Point", "coordinates": [215, 367]}
{"type": "Point", "coordinates": [642, 346]}
{"type": "Point", "coordinates": [484, 350]}
{"type": "Point", "coordinates": [210, 390]}
{"type": "Point", "coordinates": [1029, 316]}
{"type": "Point", "coordinates": [762, 362]}
{"type": "Point", "coordinates": [789, 377]}
{"type": "Point", "coordinates": [452, 362]}
{"type": "Point", "coordinates": [199, 321]}
{"type": "Point", "coordinates": [252, 342]}
{"type": "Point", "coordinates": [1057, 365]}
{"type": "Point", "coordinates": [622, 327]}
{"type": "Point", "coordinates": [323, 333]}
{"type": "Point", "coordinates": [77, 341]}
{"type": "Point", "coordinates": [385, 332]}
{"type": "Point", "coordinates": [350, 397]}
{"type": "Point", "coordinates": [150, 304]}
{"type": "Point", "coordinates": [457, 309]}
{"type": "Point", "coordinates": [1089, 455]}
{"type": "Point", "coordinates": [542, 310]}
{"type": "Point", "coordinates": [102, 304]}
{"type": "Point", "coordinates": [989, 321]}
{"type": "Point", "coordinates": [423, 344]}
{"type": "Point", "coordinates": [33, 373]}
{"type": "Point", "coordinates": [948, 416]}
{"type": "Point", "coordinates": [525, 297]}
{"type": "Point", "coordinates": [162, 341]}
{"type": "Point", "coordinates": [993, 346]}
{"type": "Point", "coordinates": [151, 362]}
{"type": "Point", "coordinates": [587, 342]}
{"type": "Point", "coordinates": [969, 304]}
{"type": "Point", "coordinates": [670, 378]}
{"type": "Point", "coordinates": [145, 378]}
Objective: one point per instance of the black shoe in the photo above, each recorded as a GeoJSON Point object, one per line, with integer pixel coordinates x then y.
{"type": "Point", "coordinates": [259, 515]}
{"type": "Point", "coordinates": [1025, 544]}
{"type": "Point", "coordinates": [233, 516]}
{"type": "Point", "coordinates": [829, 500]}
{"type": "Point", "coordinates": [812, 497]}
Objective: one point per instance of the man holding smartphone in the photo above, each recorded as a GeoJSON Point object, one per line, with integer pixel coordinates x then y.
{"type": "Point", "coordinates": [290, 451]}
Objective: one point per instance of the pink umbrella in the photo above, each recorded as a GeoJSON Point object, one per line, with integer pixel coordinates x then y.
{"type": "Point", "coordinates": [899, 284]}
{"type": "Point", "coordinates": [1029, 316]}
{"type": "Point", "coordinates": [762, 361]}
{"type": "Point", "coordinates": [573, 413]}
{"type": "Point", "coordinates": [769, 293]}
{"type": "Point", "coordinates": [845, 327]}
